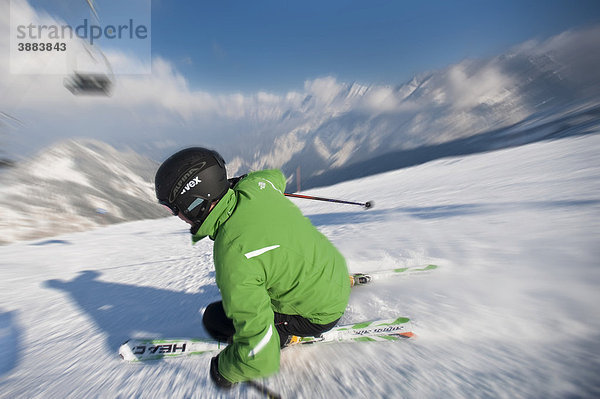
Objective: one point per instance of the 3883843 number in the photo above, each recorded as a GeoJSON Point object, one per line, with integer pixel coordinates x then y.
{"type": "Point", "coordinates": [42, 46]}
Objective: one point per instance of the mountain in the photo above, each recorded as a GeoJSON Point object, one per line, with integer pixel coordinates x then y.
{"type": "Point", "coordinates": [336, 125]}
{"type": "Point", "coordinates": [575, 121]}
{"type": "Point", "coordinates": [73, 186]}
{"type": "Point", "coordinates": [331, 132]}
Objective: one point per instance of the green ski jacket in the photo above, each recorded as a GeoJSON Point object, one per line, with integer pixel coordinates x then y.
{"type": "Point", "coordinates": [269, 258]}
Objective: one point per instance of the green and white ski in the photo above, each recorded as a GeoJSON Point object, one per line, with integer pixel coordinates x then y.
{"type": "Point", "coordinates": [139, 350]}
{"type": "Point", "coordinates": [365, 278]}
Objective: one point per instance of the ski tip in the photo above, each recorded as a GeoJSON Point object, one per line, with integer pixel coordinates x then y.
{"type": "Point", "coordinates": [407, 335]}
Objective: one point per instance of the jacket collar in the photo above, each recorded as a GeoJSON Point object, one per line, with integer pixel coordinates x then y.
{"type": "Point", "coordinates": [219, 215]}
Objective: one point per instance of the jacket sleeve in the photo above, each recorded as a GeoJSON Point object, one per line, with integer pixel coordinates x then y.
{"type": "Point", "coordinates": [255, 349]}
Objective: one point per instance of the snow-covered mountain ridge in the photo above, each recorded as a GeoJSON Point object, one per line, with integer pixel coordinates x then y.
{"type": "Point", "coordinates": [334, 124]}
{"type": "Point", "coordinates": [554, 124]}
{"type": "Point", "coordinates": [73, 186]}
{"type": "Point", "coordinates": [81, 184]}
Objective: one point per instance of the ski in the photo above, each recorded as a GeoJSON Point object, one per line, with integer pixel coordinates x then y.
{"type": "Point", "coordinates": [365, 278]}
{"type": "Point", "coordinates": [139, 350]}
{"type": "Point", "coordinates": [378, 330]}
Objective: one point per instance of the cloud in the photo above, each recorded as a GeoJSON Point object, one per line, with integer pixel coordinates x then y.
{"type": "Point", "coordinates": [486, 85]}
{"type": "Point", "coordinates": [382, 99]}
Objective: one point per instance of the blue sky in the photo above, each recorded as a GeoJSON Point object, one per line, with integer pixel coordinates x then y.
{"type": "Point", "coordinates": [275, 45]}
{"type": "Point", "coordinates": [230, 46]}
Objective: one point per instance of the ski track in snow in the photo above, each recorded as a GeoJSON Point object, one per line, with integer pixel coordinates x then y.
{"type": "Point", "coordinates": [512, 311]}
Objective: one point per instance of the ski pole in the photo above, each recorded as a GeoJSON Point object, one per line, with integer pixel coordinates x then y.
{"type": "Point", "coordinates": [264, 390]}
{"type": "Point", "coordinates": [367, 205]}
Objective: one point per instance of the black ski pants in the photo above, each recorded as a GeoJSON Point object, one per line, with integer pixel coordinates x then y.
{"type": "Point", "coordinates": [221, 328]}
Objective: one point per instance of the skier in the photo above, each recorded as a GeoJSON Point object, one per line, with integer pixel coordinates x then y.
{"type": "Point", "coordinates": [279, 277]}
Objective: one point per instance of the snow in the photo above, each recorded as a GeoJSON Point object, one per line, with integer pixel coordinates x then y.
{"type": "Point", "coordinates": [63, 169]}
{"type": "Point", "coordinates": [512, 311]}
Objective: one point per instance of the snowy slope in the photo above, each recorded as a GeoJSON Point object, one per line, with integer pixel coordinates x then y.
{"type": "Point", "coordinates": [511, 313]}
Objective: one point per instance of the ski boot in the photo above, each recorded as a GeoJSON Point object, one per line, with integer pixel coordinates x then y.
{"type": "Point", "coordinates": [359, 279]}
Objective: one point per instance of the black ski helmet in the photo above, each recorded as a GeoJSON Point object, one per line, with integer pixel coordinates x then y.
{"type": "Point", "coordinates": [189, 181]}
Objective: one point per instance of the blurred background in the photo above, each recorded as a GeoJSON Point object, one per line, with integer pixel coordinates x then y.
{"type": "Point", "coordinates": [326, 92]}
